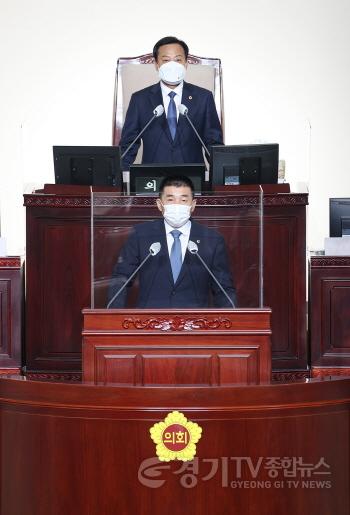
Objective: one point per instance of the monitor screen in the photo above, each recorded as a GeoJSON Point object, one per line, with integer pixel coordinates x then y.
{"type": "Point", "coordinates": [91, 166]}
{"type": "Point", "coordinates": [339, 217]}
{"type": "Point", "coordinates": [145, 179]}
{"type": "Point", "coordinates": [244, 164]}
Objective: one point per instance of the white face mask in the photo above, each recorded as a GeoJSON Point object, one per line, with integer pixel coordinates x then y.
{"type": "Point", "coordinates": [177, 214]}
{"type": "Point", "coordinates": [172, 73]}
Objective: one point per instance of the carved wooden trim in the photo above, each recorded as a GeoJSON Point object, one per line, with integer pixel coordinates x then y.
{"type": "Point", "coordinates": [46, 200]}
{"type": "Point", "coordinates": [228, 200]}
{"type": "Point", "coordinates": [149, 59]}
{"type": "Point", "coordinates": [325, 261]}
{"type": "Point", "coordinates": [237, 200]}
{"type": "Point", "coordinates": [10, 262]}
{"type": "Point", "coordinates": [286, 199]}
{"type": "Point", "coordinates": [176, 323]}
{"type": "Point", "coordinates": [290, 375]}
{"type": "Point", "coordinates": [328, 371]}
{"type": "Point", "coordinates": [56, 201]}
{"type": "Point", "coordinates": [110, 201]}
{"type": "Point", "coordinates": [205, 200]}
{"type": "Point", "coordinates": [63, 376]}
{"type": "Point", "coordinates": [194, 60]}
{"type": "Point", "coordinates": [139, 59]}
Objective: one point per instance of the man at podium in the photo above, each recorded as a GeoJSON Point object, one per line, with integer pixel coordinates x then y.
{"type": "Point", "coordinates": [181, 263]}
{"type": "Point", "coordinates": [170, 137]}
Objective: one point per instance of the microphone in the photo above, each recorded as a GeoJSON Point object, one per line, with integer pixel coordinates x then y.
{"type": "Point", "coordinates": [153, 251]}
{"type": "Point", "coordinates": [184, 111]}
{"type": "Point", "coordinates": [193, 249]}
{"type": "Point", "coordinates": [158, 111]}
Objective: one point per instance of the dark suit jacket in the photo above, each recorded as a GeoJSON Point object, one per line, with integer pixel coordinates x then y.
{"type": "Point", "coordinates": [194, 287]}
{"type": "Point", "coordinates": [158, 146]}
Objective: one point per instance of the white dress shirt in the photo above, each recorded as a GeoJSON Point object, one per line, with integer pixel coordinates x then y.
{"type": "Point", "coordinates": [177, 97]}
{"type": "Point", "coordinates": [184, 236]}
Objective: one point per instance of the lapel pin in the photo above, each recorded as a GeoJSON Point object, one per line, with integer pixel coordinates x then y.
{"type": "Point", "coordinates": [190, 97]}
{"type": "Point", "coordinates": [198, 241]}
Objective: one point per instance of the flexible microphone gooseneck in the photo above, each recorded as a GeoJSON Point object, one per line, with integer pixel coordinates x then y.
{"type": "Point", "coordinates": [184, 111]}
{"type": "Point", "coordinates": [193, 249]}
{"type": "Point", "coordinates": [158, 111]}
{"type": "Point", "coordinates": [153, 251]}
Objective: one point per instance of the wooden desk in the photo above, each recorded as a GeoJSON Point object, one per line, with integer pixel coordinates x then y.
{"type": "Point", "coordinates": [58, 273]}
{"type": "Point", "coordinates": [330, 315]}
{"type": "Point", "coordinates": [177, 347]}
{"type": "Point", "coordinates": [71, 448]}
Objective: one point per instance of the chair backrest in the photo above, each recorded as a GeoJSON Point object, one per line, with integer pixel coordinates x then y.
{"type": "Point", "coordinates": [135, 73]}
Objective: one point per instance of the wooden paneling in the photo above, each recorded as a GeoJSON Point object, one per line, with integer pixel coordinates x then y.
{"type": "Point", "coordinates": [330, 311]}
{"type": "Point", "coordinates": [285, 284]}
{"type": "Point", "coordinates": [11, 299]}
{"type": "Point", "coordinates": [58, 286]}
{"type": "Point", "coordinates": [87, 450]}
{"type": "Point", "coordinates": [180, 367]}
{"type": "Point", "coordinates": [116, 367]}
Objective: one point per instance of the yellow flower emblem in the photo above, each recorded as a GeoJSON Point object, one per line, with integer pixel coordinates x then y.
{"type": "Point", "coordinates": [176, 437]}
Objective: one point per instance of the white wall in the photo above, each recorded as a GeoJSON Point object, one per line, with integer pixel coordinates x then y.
{"type": "Point", "coordinates": [286, 79]}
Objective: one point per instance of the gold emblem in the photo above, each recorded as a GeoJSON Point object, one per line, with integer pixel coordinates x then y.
{"type": "Point", "coordinates": [176, 437]}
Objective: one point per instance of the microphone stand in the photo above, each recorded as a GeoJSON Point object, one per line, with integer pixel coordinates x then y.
{"type": "Point", "coordinates": [139, 135]}
{"type": "Point", "coordinates": [198, 136]}
{"type": "Point", "coordinates": [129, 279]}
{"type": "Point", "coordinates": [213, 276]}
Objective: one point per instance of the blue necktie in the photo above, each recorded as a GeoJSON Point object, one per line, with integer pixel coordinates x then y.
{"type": "Point", "coordinates": [171, 117]}
{"type": "Point", "coordinates": [176, 254]}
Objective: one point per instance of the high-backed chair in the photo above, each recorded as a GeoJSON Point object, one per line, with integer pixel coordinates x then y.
{"type": "Point", "coordinates": [135, 73]}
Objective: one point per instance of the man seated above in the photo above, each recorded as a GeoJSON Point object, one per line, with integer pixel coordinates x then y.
{"type": "Point", "coordinates": [170, 138]}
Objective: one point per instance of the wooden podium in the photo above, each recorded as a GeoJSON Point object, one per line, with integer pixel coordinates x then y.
{"type": "Point", "coordinates": [58, 274]}
{"type": "Point", "coordinates": [177, 347]}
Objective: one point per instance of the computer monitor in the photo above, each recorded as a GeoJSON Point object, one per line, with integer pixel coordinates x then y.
{"type": "Point", "coordinates": [339, 217]}
{"type": "Point", "coordinates": [145, 179]}
{"type": "Point", "coordinates": [244, 164]}
{"type": "Point", "coordinates": [94, 166]}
